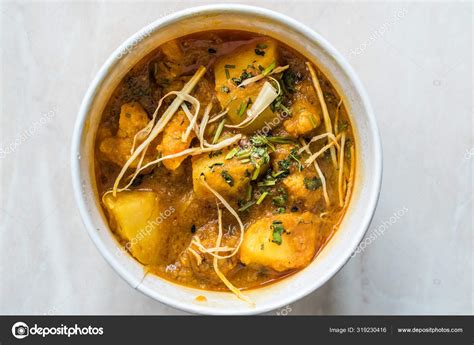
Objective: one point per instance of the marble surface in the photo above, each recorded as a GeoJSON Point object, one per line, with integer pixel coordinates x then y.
{"type": "Point", "coordinates": [415, 60]}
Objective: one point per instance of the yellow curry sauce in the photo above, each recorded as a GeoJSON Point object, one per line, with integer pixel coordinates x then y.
{"type": "Point", "coordinates": [167, 218]}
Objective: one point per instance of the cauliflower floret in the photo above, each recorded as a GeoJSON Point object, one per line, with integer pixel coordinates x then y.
{"type": "Point", "coordinates": [229, 177]}
{"type": "Point", "coordinates": [282, 242]}
{"type": "Point", "coordinates": [305, 111]}
{"type": "Point", "coordinates": [172, 143]}
{"type": "Point", "coordinates": [116, 149]}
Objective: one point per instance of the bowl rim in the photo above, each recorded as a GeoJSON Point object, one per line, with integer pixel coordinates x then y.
{"type": "Point", "coordinates": [300, 28]}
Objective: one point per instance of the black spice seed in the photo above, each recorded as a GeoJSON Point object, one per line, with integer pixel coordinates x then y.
{"type": "Point", "coordinates": [211, 51]}
{"type": "Point", "coordinates": [294, 209]}
{"type": "Point", "coordinates": [193, 228]}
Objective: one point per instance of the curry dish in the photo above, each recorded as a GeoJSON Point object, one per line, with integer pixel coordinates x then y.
{"type": "Point", "coordinates": [224, 161]}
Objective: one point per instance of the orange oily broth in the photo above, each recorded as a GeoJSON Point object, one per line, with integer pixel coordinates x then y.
{"type": "Point", "coordinates": [175, 188]}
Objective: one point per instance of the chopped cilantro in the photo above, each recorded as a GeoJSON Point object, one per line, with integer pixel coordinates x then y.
{"type": "Point", "coordinates": [261, 198]}
{"type": "Point", "coordinates": [232, 153]}
{"type": "Point", "coordinates": [243, 107]}
{"type": "Point", "coordinates": [278, 230]}
{"type": "Point", "coordinates": [269, 69]}
{"type": "Point", "coordinates": [281, 199]}
{"type": "Point", "coordinates": [227, 178]}
{"type": "Point", "coordinates": [215, 164]}
{"type": "Point", "coordinates": [284, 164]}
{"type": "Point", "coordinates": [289, 79]}
{"type": "Point", "coordinates": [280, 210]}
{"type": "Point", "coordinates": [312, 183]}
{"type": "Point", "coordinates": [245, 206]}
{"type": "Point", "coordinates": [266, 183]}
{"type": "Point", "coordinates": [249, 192]}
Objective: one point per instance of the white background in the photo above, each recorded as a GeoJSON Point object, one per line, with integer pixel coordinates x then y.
{"type": "Point", "coordinates": [418, 73]}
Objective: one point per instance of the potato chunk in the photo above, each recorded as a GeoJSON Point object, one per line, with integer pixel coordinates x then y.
{"type": "Point", "coordinates": [139, 220]}
{"type": "Point", "coordinates": [172, 143]}
{"type": "Point", "coordinates": [116, 149]}
{"type": "Point", "coordinates": [305, 111]}
{"type": "Point", "coordinates": [229, 177]}
{"type": "Point", "coordinates": [294, 248]}
{"type": "Point", "coordinates": [245, 61]}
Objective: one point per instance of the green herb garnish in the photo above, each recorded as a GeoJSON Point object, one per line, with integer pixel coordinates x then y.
{"type": "Point", "coordinates": [262, 197]}
{"type": "Point", "coordinates": [256, 173]}
{"type": "Point", "coordinates": [284, 164]}
{"type": "Point", "coordinates": [289, 79]}
{"type": "Point", "coordinates": [229, 66]}
{"type": "Point", "coordinates": [281, 199]}
{"type": "Point", "coordinates": [259, 52]}
{"type": "Point", "coordinates": [278, 230]}
{"type": "Point", "coordinates": [280, 210]}
{"type": "Point", "coordinates": [227, 178]}
{"type": "Point", "coordinates": [269, 69]}
{"type": "Point", "coordinates": [343, 126]}
{"type": "Point", "coordinates": [243, 107]}
{"type": "Point", "coordinates": [312, 183]}
{"type": "Point", "coordinates": [295, 156]}
{"type": "Point", "coordinates": [216, 164]}
{"type": "Point", "coordinates": [218, 131]}
{"type": "Point", "coordinates": [280, 174]}
{"type": "Point", "coordinates": [246, 206]}
{"type": "Point", "coordinates": [243, 76]}
{"type": "Point", "coordinates": [249, 192]}
{"type": "Point", "coordinates": [232, 153]}
{"type": "Point", "coordinates": [266, 183]}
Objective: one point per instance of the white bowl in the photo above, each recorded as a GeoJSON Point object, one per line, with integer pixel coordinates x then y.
{"type": "Point", "coordinates": [368, 173]}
